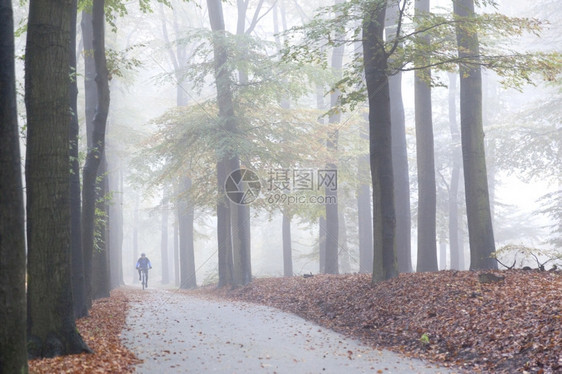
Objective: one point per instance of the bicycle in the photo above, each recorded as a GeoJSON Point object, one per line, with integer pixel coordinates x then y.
{"type": "Point", "coordinates": [144, 278]}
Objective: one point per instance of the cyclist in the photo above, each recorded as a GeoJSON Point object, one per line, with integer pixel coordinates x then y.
{"type": "Point", "coordinates": [143, 264]}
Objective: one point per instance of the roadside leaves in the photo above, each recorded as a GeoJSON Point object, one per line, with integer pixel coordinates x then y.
{"type": "Point", "coordinates": [513, 325]}
{"type": "Point", "coordinates": [100, 330]}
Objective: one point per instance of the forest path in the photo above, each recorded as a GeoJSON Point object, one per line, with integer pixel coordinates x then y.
{"type": "Point", "coordinates": [178, 333]}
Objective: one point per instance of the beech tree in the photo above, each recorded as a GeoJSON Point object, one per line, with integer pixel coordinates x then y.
{"type": "Point", "coordinates": [184, 209]}
{"type": "Point", "coordinates": [385, 264]}
{"type": "Point", "coordinates": [455, 248]}
{"type": "Point", "coordinates": [383, 58]}
{"type": "Point", "coordinates": [13, 344]}
{"type": "Point", "coordinates": [427, 192]}
{"type": "Point", "coordinates": [332, 216]}
{"type": "Point", "coordinates": [399, 154]}
{"type": "Point", "coordinates": [51, 327]}
{"type": "Point", "coordinates": [78, 283]}
{"type": "Point", "coordinates": [480, 231]}
{"type": "Point", "coordinates": [97, 144]}
{"type": "Point", "coordinates": [227, 160]}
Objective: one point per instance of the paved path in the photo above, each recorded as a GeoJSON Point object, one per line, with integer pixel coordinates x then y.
{"type": "Point", "coordinates": [177, 333]}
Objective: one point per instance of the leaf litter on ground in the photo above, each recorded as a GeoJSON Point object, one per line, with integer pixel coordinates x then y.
{"type": "Point", "coordinates": [100, 330]}
{"type": "Point", "coordinates": [512, 324]}
{"type": "Point", "coordinates": [450, 317]}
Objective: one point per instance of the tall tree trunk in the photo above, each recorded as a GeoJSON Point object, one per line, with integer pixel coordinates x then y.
{"type": "Point", "coordinates": [78, 285]}
{"type": "Point", "coordinates": [376, 76]}
{"type": "Point", "coordinates": [242, 228]}
{"type": "Point", "coordinates": [90, 89]}
{"type": "Point", "coordinates": [322, 244]}
{"type": "Point", "coordinates": [177, 281]}
{"type": "Point", "coordinates": [188, 279]}
{"type": "Point", "coordinates": [184, 258]}
{"type": "Point", "coordinates": [442, 253]}
{"type": "Point", "coordinates": [461, 234]}
{"type": "Point", "coordinates": [427, 193]}
{"type": "Point", "coordinates": [164, 240]}
{"type": "Point", "coordinates": [344, 254]}
{"type": "Point", "coordinates": [322, 220]}
{"type": "Point", "coordinates": [90, 98]}
{"type": "Point", "coordinates": [115, 221]}
{"type": "Point", "coordinates": [224, 238]}
{"type": "Point", "coordinates": [365, 221]}
{"type": "Point", "coordinates": [96, 147]}
{"type": "Point", "coordinates": [287, 246]}
{"type": "Point", "coordinates": [399, 155]}
{"type": "Point", "coordinates": [13, 345]}
{"type": "Point", "coordinates": [100, 255]}
{"type": "Point", "coordinates": [227, 160]}
{"type": "Point", "coordinates": [239, 247]}
{"type": "Point", "coordinates": [332, 216]}
{"type": "Point", "coordinates": [135, 237]}
{"type": "Point", "coordinates": [489, 104]}
{"type": "Point", "coordinates": [454, 248]}
{"type": "Point", "coordinates": [51, 327]}
{"type": "Point", "coordinates": [480, 231]}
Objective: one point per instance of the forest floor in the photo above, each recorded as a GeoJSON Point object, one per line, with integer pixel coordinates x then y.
{"type": "Point", "coordinates": [511, 325]}
{"type": "Point", "coordinates": [101, 330]}
{"type": "Point", "coordinates": [448, 317]}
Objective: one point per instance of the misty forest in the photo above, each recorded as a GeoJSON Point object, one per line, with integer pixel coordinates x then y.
{"type": "Point", "coordinates": [390, 170]}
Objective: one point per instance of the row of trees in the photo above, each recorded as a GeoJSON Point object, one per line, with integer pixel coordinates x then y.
{"type": "Point", "coordinates": [393, 39]}
{"type": "Point", "coordinates": [41, 301]}
{"type": "Point", "coordinates": [257, 121]}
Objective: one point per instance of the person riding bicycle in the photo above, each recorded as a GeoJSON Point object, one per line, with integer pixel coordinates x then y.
{"type": "Point", "coordinates": [143, 264]}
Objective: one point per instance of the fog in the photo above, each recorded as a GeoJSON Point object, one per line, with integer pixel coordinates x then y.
{"type": "Point", "coordinates": [145, 88]}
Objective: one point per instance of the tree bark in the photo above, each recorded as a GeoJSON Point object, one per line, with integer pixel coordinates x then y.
{"type": "Point", "coordinates": [322, 219]}
{"type": "Point", "coordinates": [365, 220]}
{"type": "Point", "coordinates": [480, 231]}
{"type": "Point", "coordinates": [96, 147]}
{"type": "Point", "coordinates": [344, 254]}
{"type": "Point", "coordinates": [442, 254]}
{"type": "Point", "coordinates": [427, 193]}
{"type": "Point", "coordinates": [13, 345]}
{"type": "Point", "coordinates": [78, 285]}
{"type": "Point", "coordinates": [454, 247]}
{"type": "Point", "coordinates": [224, 238]}
{"type": "Point", "coordinates": [376, 76]}
{"type": "Point", "coordinates": [135, 237]}
{"type": "Point", "coordinates": [51, 327]}
{"type": "Point", "coordinates": [88, 179]}
{"type": "Point", "coordinates": [115, 223]}
{"type": "Point", "coordinates": [287, 246]}
{"type": "Point", "coordinates": [188, 278]}
{"type": "Point", "coordinates": [90, 89]}
{"type": "Point", "coordinates": [332, 216]}
{"type": "Point", "coordinates": [100, 256]}
{"type": "Point", "coordinates": [164, 240]}
{"type": "Point", "coordinates": [242, 226]}
{"type": "Point", "coordinates": [322, 244]}
{"type": "Point", "coordinates": [399, 156]}
{"type": "Point", "coordinates": [227, 160]}
{"type": "Point", "coordinates": [177, 281]}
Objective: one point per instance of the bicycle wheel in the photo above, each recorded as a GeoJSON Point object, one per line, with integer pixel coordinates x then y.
{"type": "Point", "coordinates": [143, 279]}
